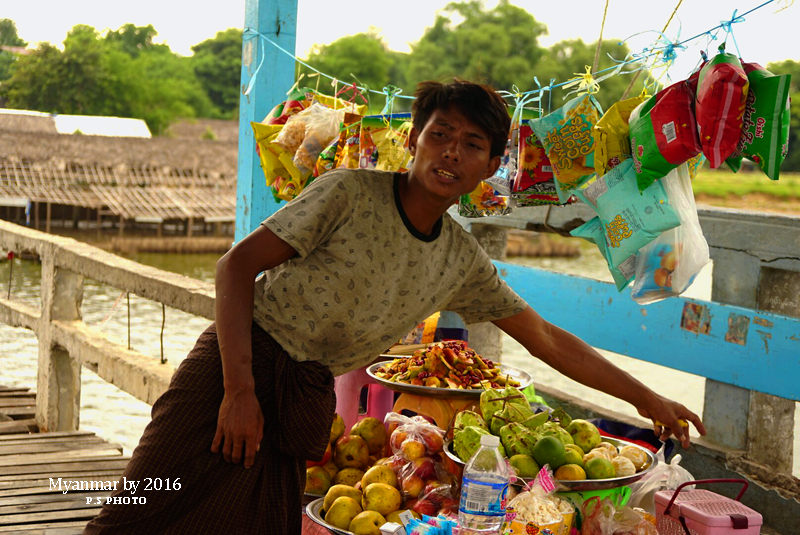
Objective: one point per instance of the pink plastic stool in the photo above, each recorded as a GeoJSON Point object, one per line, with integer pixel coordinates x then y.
{"type": "Point", "coordinates": [380, 399]}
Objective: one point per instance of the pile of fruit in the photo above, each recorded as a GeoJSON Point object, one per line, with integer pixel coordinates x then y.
{"type": "Point", "coordinates": [449, 364]}
{"type": "Point", "coordinates": [369, 477]}
{"type": "Point", "coordinates": [573, 448]}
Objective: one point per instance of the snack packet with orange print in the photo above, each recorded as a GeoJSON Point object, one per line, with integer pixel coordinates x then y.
{"type": "Point", "coordinates": [566, 135]}
{"type": "Point", "coordinates": [483, 201]}
{"type": "Point", "coordinates": [534, 184]}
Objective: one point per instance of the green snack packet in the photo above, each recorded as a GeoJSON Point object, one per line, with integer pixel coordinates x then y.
{"type": "Point", "coordinates": [630, 220]}
{"type": "Point", "coordinates": [566, 135]}
{"type": "Point", "coordinates": [593, 232]}
{"type": "Point", "coordinates": [765, 130]}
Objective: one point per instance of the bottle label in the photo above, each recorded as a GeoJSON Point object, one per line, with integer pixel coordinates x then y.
{"type": "Point", "coordinates": [483, 498]}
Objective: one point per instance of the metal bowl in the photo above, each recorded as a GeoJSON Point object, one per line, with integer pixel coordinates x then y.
{"type": "Point", "coordinates": [314, 512]}
{"type": "Point", "coordinates": [522, 376]}
{"type": "Point", "coordinates": [563, 485]}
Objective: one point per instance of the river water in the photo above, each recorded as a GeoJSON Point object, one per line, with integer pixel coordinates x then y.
{"type": "Point", "coordinates": [121, 418]}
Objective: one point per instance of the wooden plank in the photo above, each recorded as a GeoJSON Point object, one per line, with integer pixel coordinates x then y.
{"type": "Point", "coordinates": [69, 505]}
{"type": "Point", "coordinates": [20, 413]}
{"type": "Point", "coordinates": [56, 467]}
{"type": "Point", "coordinates": [54, 434]}
{"type": "Point", "coordinates": [59, 456]}
{"type": "Point", "coordinates": [5, 394]}
{"type": "Point", "coordinates": [9, 389]}
{"type": "Point", "coordinates": [16, 449]}
{"type": "Point", "coordinates": [699, 337]}
{"type": "Point", "coordinates": [28, 518]}
{"type": "Point", "coordinates": [76, 473]}
{"type": "Point", "coordinates": [18, 427]}
{"type": "Point", "coordinates": [46, 528]}
{"type": "Point", "coordinates": [53, 440]}
{"type": "Point", "coordinates": [52, 498]}
{"type": "Point", "coordinates": [15, 402]}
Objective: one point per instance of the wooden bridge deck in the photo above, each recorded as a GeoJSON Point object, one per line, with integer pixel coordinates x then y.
{"type": "Point", "coordinates": [28, 459]}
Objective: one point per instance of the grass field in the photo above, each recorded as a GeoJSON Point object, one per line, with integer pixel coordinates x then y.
{"type": "Point", "coordinates": [723, 183]}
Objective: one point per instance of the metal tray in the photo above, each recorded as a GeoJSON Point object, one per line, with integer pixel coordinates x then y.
{"type": "Point", "coordinates": [585, 484]}
{"type": "Point", "coordinates": [522, 376]}
{"type": "Point", "coordinates": [314, 512]}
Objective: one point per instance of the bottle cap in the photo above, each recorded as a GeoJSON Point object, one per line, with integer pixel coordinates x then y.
{"type": "Point", "coordinates": [490, 440]}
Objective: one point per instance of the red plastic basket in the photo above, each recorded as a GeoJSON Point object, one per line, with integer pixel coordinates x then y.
{"type": "Point", "coordinates": [702, 512]}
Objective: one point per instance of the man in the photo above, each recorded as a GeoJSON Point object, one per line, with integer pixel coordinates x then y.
{"type": "Point", "coordinates": [351, 265]}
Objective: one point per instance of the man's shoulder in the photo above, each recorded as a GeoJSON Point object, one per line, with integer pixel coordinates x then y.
{"type": "Point", "coordinates": [363, 176]}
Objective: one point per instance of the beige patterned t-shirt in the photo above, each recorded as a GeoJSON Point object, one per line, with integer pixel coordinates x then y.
{"type": "Point", "coordinates": [364, 276]}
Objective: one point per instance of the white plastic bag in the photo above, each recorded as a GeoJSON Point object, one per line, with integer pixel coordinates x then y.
{"type": "Point", "coordinates": [664, 476]}
{"type": "Point", "coordinates": [666, 266]}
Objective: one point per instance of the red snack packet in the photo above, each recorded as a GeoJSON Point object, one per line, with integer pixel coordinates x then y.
{"type": "Point", "coordinates": [534, 184]}
{"type": "Point", "coordinates": [721, 97]}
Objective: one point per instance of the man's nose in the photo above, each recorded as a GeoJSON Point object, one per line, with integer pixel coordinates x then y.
{"type": "Point", "coordinates": [451, 151]}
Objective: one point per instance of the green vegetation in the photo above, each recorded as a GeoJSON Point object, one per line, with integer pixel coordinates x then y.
{"type": "Point", "coordinates": [722, 183]}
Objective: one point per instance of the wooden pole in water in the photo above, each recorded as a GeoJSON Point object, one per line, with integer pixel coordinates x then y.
{"type": "Point", "coordinates": [36, 215]}
{"type": "Point", "coordinates": [49, 213]}
{"type": "Point", "coordinates": [189, 225]}
{"type": "Point", "coordinates": [99, 223]}
{"type": "Point", "coordinates": [121, 225]}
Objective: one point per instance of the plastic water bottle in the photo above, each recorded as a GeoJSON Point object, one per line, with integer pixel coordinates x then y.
{"type": "Point", "coordinates": [483, 490]}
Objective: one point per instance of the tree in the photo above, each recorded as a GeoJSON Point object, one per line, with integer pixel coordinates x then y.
{"type": "Point", "coordinates": [133, 39]}
{"type": "Point", "coordinates": [8, 37]}
{"type": "Point", "coordinates": [499, 46]}
{"type": "Point", "coordinates": [217, 63]}
{"type": "Point", "coordinates": [792, 161]}
{"type": "Point", "coordinates": [364, 59]}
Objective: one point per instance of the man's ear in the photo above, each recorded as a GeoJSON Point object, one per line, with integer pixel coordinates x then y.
{"type": "Point", "coordinates": [494, 165]}
{"type": "Point", "coordinates": [413, 136]}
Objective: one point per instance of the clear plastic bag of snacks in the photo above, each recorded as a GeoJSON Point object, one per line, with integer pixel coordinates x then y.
{"type": "Point", "coordinates": [537, 509]}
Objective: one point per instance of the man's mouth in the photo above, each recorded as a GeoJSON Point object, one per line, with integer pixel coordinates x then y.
{"type": "Point", "coordinates": [446, 174]}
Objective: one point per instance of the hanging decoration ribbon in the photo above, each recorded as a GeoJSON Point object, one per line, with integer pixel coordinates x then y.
{"type": "Point", "coordinates": [587, 83]}
{"type": "Point", "coordinates": [391, 92]}
{"type": "Point", "coordinates": [254, 76]}
{"type": "Point", "coordinates": [727, 26]}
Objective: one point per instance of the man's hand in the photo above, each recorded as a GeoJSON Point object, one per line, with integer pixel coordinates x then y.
{"type": "Point", "coordinates": [240, 425]}
{"type": "Point", "coordinates": [660, 409]}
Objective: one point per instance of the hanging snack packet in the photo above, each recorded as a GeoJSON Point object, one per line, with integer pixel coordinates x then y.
{"type": "Point", "coordinates": [503, 179]}
{"type": "Point", "coordinates": [392, 146]}
{"type": "Point", "coordinates": [321, 128]}
{"type": "Point", "coordinates": [484, 201]}
{"type": "Point", "coordinates": [663, 133]}
{"type": "Point", "coordinates": [326, 159]}
{"type": "Point", "coordinates": [765, 128]}
{"type": "Point", "coordinates": [630, 219]}
{"type": "Point", "coordinates": [612, 142]}
{"type": "Point", "coordinates": [593, 232]}
{"type": "Point", "coordinates": [566, 135]}
{"type": "Point", "coordinates": [721, 96]}
{"type": "Point", "coordinates": [694, 164]}
{"type": "Point", "coordinates": [534, 184]}
{"type": "Point", "coordinates": [348, 146]}
{"type": "Point", "coordinates": [270, 164]}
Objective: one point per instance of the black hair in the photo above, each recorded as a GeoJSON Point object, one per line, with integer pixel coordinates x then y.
{"type": "Point", "coordinates": [479, 103]}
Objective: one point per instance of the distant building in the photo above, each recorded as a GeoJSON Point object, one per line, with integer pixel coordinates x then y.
{"type": "Point", "coordinates": [73, 124]}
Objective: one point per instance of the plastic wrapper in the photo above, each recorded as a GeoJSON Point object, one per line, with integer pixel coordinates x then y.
{"type": "Point", "coordinates": [602, 517]}
{"type": "Point", "coordinates": [538, 510]}
{"type": "Point", "coordinates": [695, 164]}
{"type": "Point", "coordinates": [665, 475]}
{"type": "Point", "coordinates": [535, 183]}
{"type": "Point", "coordinates": [666, 266]}
{"type": "Point", "coordinates": [503, 179]}
{"type": "Point", "coordinates": [349, 144]}
{"type": "Point", "coordinates": [765, 123]}
{"type": "Point", "coordinates": [326, 159]}
{"type": "Point", "coordinates": [301, 98]}
{"type": "Point", "coordinates": [593, 231]}
{"type": "Point", "coordinates": [721, 96]}
{"type": "Point", "coordinates": [320, 129]}
{"type": "Point", "coordinates": [612, 142]}
{"type": "Point", "coordinates": [483, 201]}
{"type": "Point", "coordinates": [663, 133]}
{"type": "Point", "coordinates": [566, 135]}
{"type": "Point", "coordinates": [630, 220]}
{"type": "Point", "coordinates": [270, 164]}
{"type": "Point", "coordinates": [392, 147]}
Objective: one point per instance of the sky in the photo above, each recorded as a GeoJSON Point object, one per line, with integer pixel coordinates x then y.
{"type": "Point", "coordinates": [763, 36]}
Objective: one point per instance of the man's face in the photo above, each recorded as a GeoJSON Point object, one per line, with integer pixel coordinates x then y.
{"type": "Point", "coordinates": [451, 155]}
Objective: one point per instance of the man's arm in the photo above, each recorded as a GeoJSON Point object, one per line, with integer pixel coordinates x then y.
{"type": "Point", "coordinates": [240, 423]}
{"type": "Point", "coordinates": [576, 359]}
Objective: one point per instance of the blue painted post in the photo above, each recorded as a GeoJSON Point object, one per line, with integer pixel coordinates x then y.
{"type": "Point", "coordinates": [276, 19]}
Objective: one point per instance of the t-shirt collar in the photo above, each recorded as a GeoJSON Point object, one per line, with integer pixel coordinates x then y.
{"type": "Point", "coordinates": [437, 227]}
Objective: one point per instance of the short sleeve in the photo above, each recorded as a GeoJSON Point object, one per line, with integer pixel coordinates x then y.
{"type": "Point", "coordinates": [313, 216]}
{"type": "Point", "coordinates": [484, 296]}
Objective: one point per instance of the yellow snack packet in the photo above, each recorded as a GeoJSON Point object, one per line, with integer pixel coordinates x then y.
{"type": "Point", "coordinates": [270, 163]}
{"type": "Point", "coordinates": [612, 142]}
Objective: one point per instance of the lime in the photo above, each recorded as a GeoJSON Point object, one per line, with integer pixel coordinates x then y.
{"type": "Point", "coordinates": [549, 450]}
{"type": "Point", "coordinates": [600, 468]}
{"type": "Point", "coordinates": [524, 465]}
{"type": "Point", "coordinates": [571, 472]}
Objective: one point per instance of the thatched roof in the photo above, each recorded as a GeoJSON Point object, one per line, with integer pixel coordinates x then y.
{"type": "Point", "coordinates": [27, 122]}
{"type": "Point", "coordinates": [222, 130]}
{"type": "Point", "coordinates": [215, 158]}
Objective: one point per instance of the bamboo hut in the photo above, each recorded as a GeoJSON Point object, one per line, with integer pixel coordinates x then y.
{"type": "Point", "coordinates": [181, 183]}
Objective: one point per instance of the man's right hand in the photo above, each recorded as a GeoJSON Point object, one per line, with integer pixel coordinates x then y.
{"type": "Point", "coordinates": [240, 426]}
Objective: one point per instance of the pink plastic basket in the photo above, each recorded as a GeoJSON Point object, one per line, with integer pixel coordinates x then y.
{"type": "Point", "coordinates": [702, 512]}
{"type": "Point", "coordinates": [380, 399]}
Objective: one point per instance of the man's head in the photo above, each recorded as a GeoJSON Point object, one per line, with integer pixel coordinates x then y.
{"type": "Point", "coordinates": [480, 104]}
